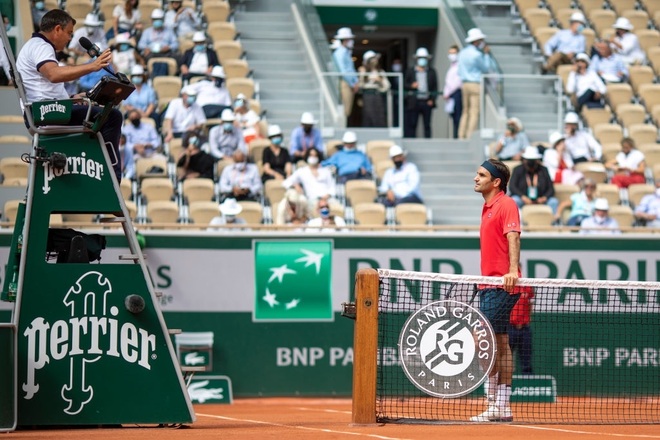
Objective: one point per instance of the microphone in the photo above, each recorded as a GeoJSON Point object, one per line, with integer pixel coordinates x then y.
{"type": "Point", "coordinates": [94, 51]}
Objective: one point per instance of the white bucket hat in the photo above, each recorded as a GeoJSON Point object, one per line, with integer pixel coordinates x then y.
{"type": "Point", "coordinates": [190, 91]}
{"type": "Point", "coordinates": [349, 137]}
{"type": "Point", "coordinates": [578, 16]}
{"type": "Point", "coordinates": [274, 130]}
{"type": "Point", "coordinates": [555, 137]}
{"type": "Point", "coordinates": [601, 204]}
{"type": "Point", "coordinates": [157, 13]}
{"type": "Point", "coordinates": [92, 20]}
{"type": "Point", "coordinates": [307, 119]}
{"type": "Point", "coordinates": [571, 118]}
{"type": "Point", "coordinates": [199, 37]}
{"type": "Point", "coordinates": [422, 52]}
{"type": "Point", "coordinates": [137, 70]}
{"type": "Point", "coordinates": [218, 72]}
{"type": "Point", "coordinates": [531, 153]}
{"type": "Point", "coordinates": [344, 33]}
{"type": "Point", "coordinates": [230, 207]}
{"type": "Point", "coordinates": [369, 55]}
{"type": "Point", "coordinates": [227, 115]}
{"type": "Point", "coordinates": [396, 150]}
{"type": "Point", "coordinates": [623, 23]}
{"type": "Point", "coordinates": [583, 57]}
{"type": "Point", "coordinates": [475, 34]}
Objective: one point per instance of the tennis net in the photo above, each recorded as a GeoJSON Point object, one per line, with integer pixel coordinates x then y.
{"type": "Point", "coordinates": [595, 350]}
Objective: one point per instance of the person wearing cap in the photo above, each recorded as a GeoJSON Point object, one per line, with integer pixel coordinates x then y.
{"type": "Point", "coordinates": [240, 180]}
{"type": "Point", "coordinates": [200, 59]}
{"type": "Point", "coordinates": [600, 223]}
{"type": "Point", "coordinates": [226, 138]}
{"type": "Point", "coordinates": [343, 58]}
{"type": "Point", "coordinates": [580, 144]}
{"type": "Point", "coordinates": [124, 54]}
{"type": "Point", "coordinates": [607, 64]}
{"type": "Point", "coordinates": [212, 95]}
{"type": "Point", "coordinates": [647, 211]}
{"type": "Point", "coordinates": [585, 86]}
{"type": "Point", "coordinates": [531, 183]}
{"type": "Point", "coordinates": [562, 47]}
{"type": "Point", "coordinates": [420, 85]}
{"type": "Point", "coordinates": [246, 118]}
{"type": "Point", "coordinates": [473, 61]}
{"type": "Point", "coordinates": [157, 40]}
{"type": "Point", "coordinates": [293, 209]}
{"type": "Point", "coordinates": [275, 159]}
{"type": "Point", "coordinates": [628, 166]}
{"type": "Point", "coordinates": [512, 143]}
{"type": "Point", "coordinates": [315, 181]}
{"type": "Point", "coordinates": [581, 204]}
{"type": "Point", "coordinates": [93, 31]}
{"type": "Point", "coordinates": [559, 163]}
{"type": "Point", "coordinates": [194, 162]}
{"type": "Point", "coordinates": [183, 21]}
{"type": "Point", "coordinates": [125, 18]}
{"type": "Point", "coordinates": [400, 184]}
{"type": "Point", "coordinates": [183, 114]}
{"type": "Point", "coordinates": [142, 139]}
{"type": "Point", "coordinates": [143, 99]}
{"type": "Point", "coordinates": [626, 43]}
{"type": "Point", "coordinates": [373, 86]}
{"type": "Point", "coordinates": [451, 92]}
{"type": "Point", "coordinates": [349, 163]}
{"type": "Point", "coordinates": [325, 220]}
{"type": "Point", "coordinates": [305, 137]}
{"type": "Point", "coordinates": [229, 210]}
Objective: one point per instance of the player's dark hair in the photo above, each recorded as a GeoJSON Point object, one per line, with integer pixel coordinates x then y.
{"type": "Point", "coordinates": [504, 172]}
{"type": "Point", "coordinates": [55, 17]}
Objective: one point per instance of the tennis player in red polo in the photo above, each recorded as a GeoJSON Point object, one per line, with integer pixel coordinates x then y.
{"type": "Point", "coordinates": [499, 238]}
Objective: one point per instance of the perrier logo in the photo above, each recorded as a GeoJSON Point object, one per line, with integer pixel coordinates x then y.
{"type": "Point", "coordinates": [293, 281]}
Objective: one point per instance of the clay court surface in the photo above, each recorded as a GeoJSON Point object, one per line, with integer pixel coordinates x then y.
{"type": "Point", "coordinates": [303, 418]}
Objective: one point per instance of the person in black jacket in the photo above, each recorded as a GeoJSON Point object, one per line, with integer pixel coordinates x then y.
{"type": "Point", "coordinates": [421, 88]}
{"type": "Point", "coordinates": [199, 60]}
{"type": "Point", "coordinates": [530, 182]}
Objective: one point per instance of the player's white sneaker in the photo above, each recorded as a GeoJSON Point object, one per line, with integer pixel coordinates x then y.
{"type": "Point", "coordinates": [494, 414]}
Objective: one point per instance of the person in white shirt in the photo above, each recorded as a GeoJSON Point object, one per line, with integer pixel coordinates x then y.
{"type": "Point", "coordinates": [226, 138]}
{"type": "Point", "coordinates": [229, 209]}
{"type": "Point", "coordinates": [401, 183]}
{"type": "Point", "coordinates": [581, 146]}
{"type": "Point", "coordinates": [628, 165]}
{"type": "Point", "coordinates": [585, 85]}
{"type": "Point", "coordinates": [212, 95]}
{"type": "Point", "coordinates": [246, 118]}
{"type": "Point", "coordinates": [315, 181]}
{"type": "Point", "coordinates": [600, 223]}
{"type": "Point", "coordinates": [93, 31]}
{"type": "Point", "coordinates": [183, 21]}
{"type": "Point", "coordinates": [648, 209]}
{"type": "Point", "coordinates": [199, 59]}
{"type": "Point", "coordinates": [183, 114]}
{"type": "Point", "coordinates": [559, 162]}
{"type": "Point", "coordinates": [325, 220]}
{"type": "Point", "coordinates": [626, 43]}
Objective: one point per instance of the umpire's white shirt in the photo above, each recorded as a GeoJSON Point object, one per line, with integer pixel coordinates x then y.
{"type": "Point", "coordinates": [34, 54]}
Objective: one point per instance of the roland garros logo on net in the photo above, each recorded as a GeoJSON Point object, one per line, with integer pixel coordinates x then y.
{"type": "Point", "coordinates": [447, 348]}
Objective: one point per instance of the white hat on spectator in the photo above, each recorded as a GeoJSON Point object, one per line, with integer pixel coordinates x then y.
{"type": "Point", "coordinates": [92, 20]}
{"type": "Point", "coordinates": [583, 57]}
{"type": "Point", "coordinates": [349, 137]}
{"type": "Point", "coordinates": [227, 115]}
{"type": "Point", "coordinates": [137, 70]}
{"type": "Point", "coordinates": [199, 37]}
{"type": "Point", "coordinates": [157, 13]}
{"type": "Point", "coordinates": [531, 153]}
{"type": "Point", "coordinates": [190, 91]}
{"type": "Point", "coordinates": [344, 33]}
{"type": "Point", "coordinates": [623, 23]}
{"type": "Point", "coordinates": [578, 16]}
{"type": "Point", "coordinates": [307, 119]}
{"type": "Point", "coordinates": [422, 52]}
{"type": "Point", "coordinates": [475, 34]}
{"type": "Point", "coordinates": [274, 130]}
{"type": "Point", "coordinates": [218, 72]}
{"type": "Point", "coordinates": [555, 137]}
{"type": "Point", "coordinates": [571, 118]}
{"type": "Point", "coordinates": [396, 150]}
{"type": "Point", "coordinates": [230, 207]}
{"type": "Point", "coordinates": [369, 55]}
{"type": "Point", "coordinates": [601, 204]}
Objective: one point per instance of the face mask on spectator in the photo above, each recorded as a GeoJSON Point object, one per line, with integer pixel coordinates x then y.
{"type": "Point", "coordinates": [227, 126]}
{"type": "Point", "coordinates": [158, 24]}
{"type": "Point", "coordinates": [452, 57]}
{"type": "Point", "coordinates": [200, 47]}
{"type": "Point", "coordinates": [422, 62]}
{"type": "Point", "coordinates": [580, 28]}
{"type": "Point", "coordinates": [135, 122]}
{"type": "Point", "coordinates": [40, 5]}
{"type": "Point", "coordinates": [312, 160]}
{"type": "Point", "coordinates": [396, 67]}
{"type": "Point", "coordinates": [89, 29]}
{"type": "Point", "coordinates": [137, 80]}
{"type": "Point", "coordinates": [124, 47]}
{"type": "Point", "coordinates": [277, 140]}
{"type": "Point", "coordinates": [350, 44]}
{"type": "Point", "coordinates": [482, 45]}
{"type": "Point", "coordinates": [191, 100]}
{"type": "Point", "coordinates": [325, 212]}
{"type": "Point", "coordinates": [398, 164]}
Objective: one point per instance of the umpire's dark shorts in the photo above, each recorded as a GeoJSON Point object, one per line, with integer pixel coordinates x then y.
{"type": "Point", "coordinates": [496, 305]}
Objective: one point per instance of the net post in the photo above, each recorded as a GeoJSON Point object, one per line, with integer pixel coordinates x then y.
{"type": "Point", "coordinates": [365, 346]}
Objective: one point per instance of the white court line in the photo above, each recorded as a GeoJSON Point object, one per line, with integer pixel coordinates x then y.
{"type": "Point", "coordinates": [571, 431]}
{"type": "Point", "coordinates": [305, 428]}
{"type": "Point", "coordinates": [336, 411]}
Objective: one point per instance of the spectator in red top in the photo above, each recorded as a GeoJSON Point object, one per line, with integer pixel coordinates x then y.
{"type": "Point", "coordinates": [499, 239]}
{"type": "Point", "coordinates": [520, 333]}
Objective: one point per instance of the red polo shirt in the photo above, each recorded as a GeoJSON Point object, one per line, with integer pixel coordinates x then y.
{"type": "Point", "coordinates": [498, 217]}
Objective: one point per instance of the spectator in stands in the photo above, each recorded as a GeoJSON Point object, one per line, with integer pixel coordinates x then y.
{"type": "Point", "coordinates": [38, 12]}
{"type": "Point", "coordinates": [628, 166]}
{"type": "Point", "coordinates": [451, 92]}
{"type": "Point", "coordinates": [125, 18]}
{"type": "Point", "coordinates": [473, 61]}
{"type": "Point", "coordinates": [194, 163]}
{"type": "Point", "coordinates": [512, 143]}
{"type": "Point", "coordinates": [314, 181]}
{"type": "Point", "coordinates": [648, 210]}
{"type": "Point", "coordinates": [198, 60]}
{"type": "Point", "coordinates": [420, 84]}
{"type": "Point", "coordinates": [183, 114]}
{"type": "Point", "coordinates": [325, 221]}
{"type": "Point", "coordinates": [292, 209]}
{"type": "Point", "coordinates": [226, 138]}
{"type": "Point", "coordinates": [581, 204]}
{"type": "Point", "coordinates": [142, 139]}
{"type": "Point", "coordinates": [212, 95]}
{"type": "Point", "coordinates": [343, 59]}
{"type": "Point", "coordinates": [609, 66]}
{"type": "Point", "coordinates": [585, 86]}
{"type": "Point", "coordinates": [240, 180]}
{"type": "Point", "coordinates": [626, 42]}
{"type": "Point", "coordinates": [143, 99]}
{"type": "Point", "coordinates": [305, 137]}
{"type": "Point", "coordinates": [127, 159]}
{"type": "Point", "coordinates": [563, 46]}
{"type": "Point", "coordinates": [530, 183]}
{"type": "Point", "coordinates": [183, 21]}
{"type": "Point", "coordinates": [600, 222]}
{"type": "Point", "coordinates": [124, 54]}
{"type": "Point", "coordinates": [157, 40]}
{"type": "Point", "coordinates": [350, 163]}
{"type": "Point", "coordinates": [373, 86]}
{"type": "Point", "coordinates": [93, 31]}
{"type": "Point", "coordinates": [559, 162]}
{"type": "Point", "coordinates": [400, 184]}
{"type": "Point", "coordinates": [229, 210]}
{"type": "Point", "coordinates": [276, 160]}
{"type": "Point", "coordinates": [579, 143]}
{"type": "Point", "coordinates": [246, 118]}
